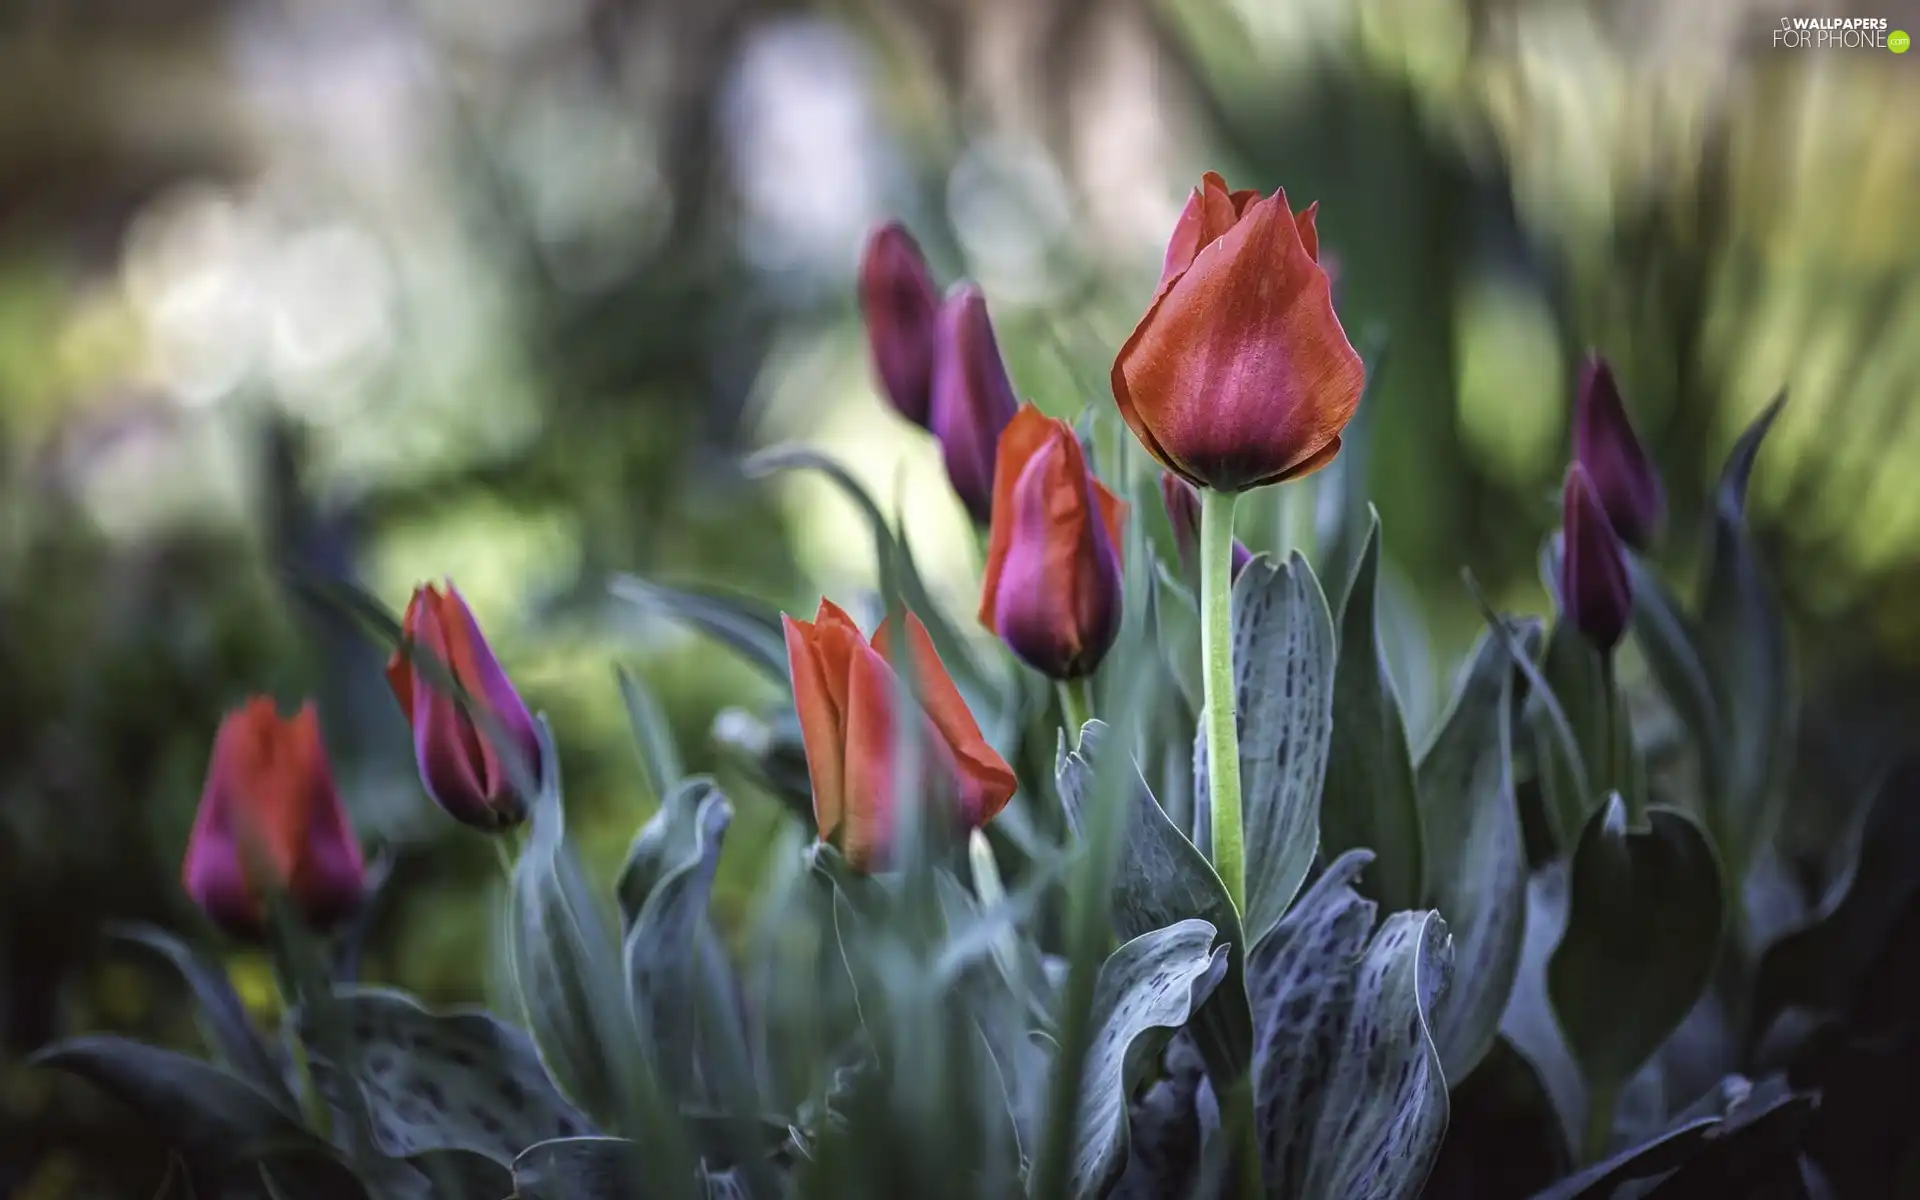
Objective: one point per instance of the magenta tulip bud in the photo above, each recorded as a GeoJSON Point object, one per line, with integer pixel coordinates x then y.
{"type": "Point", "coordinates": [1595, 591]}
{"type": "Point", "coordinates": [1604, 443]}
{"type": "Point", "coordinates": [972, 397]}
{"type": "Point", "coordinates": [898, 302]}
{"type": "Point", "coordinates": [271, 820]}
{"type": "Point", "coordinates": [460, 766]}
{"type": "Point", "coordinates": [1183, 512]}
{"type": "Point", "coordinates": [1052, 582]}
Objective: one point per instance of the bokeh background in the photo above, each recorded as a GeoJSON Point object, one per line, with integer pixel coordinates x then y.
{"type": "Point", "coordinates": [503, 291]}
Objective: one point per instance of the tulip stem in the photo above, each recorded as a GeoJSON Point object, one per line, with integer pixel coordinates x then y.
{"type": "Point", "coordinates": [1076, 703]}
{"type": "Point", "coordinates": [1216, 655]}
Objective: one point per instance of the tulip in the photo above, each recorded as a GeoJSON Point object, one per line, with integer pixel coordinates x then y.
{"type": "Point", "coordinates": [1052, 581]}
{"type": "Point", "coordinates": [1595, 591]}
{"type": "Point", "coordinates": [898, 301]}
{"type": "Point", "coordinates": [271, 820]}
{"type": "Point", "coordinates": [972, 397]}
{"type": "Point", "coordinates": [1239, 375]}
{"type": "Point", "coordinates": [845, 695]}
{"type": "Point", "coordinates": [1604, 443]}
{"type": "Point", "coordinates": [460, 765]}
{"type": "Point", "coordinates": [1183, 511]}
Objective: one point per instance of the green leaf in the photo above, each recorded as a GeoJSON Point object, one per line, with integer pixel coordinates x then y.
{"type": "Point", "coordinates": [1369, 798]}
{"type": "Point", "coordinates": [223, 1018]}
{"type": "Point", "coordinates": [1669, 641]}
{"type": "Point", "coordinates": [1575, 675]}
{"type": "Point", "coordinates": [1177, 630]}
{"type": "Point", "coordinates": [748, 626]}
{"type": "Point", "coordinates": [1148, 987]}
{"type": "Point", "coordinates": [461, 1175]}
{"type": "Point", "coordinates": [458, 1080]}
{"type": "Point", "coordinates": [1644, 916]}
{"type": "Point", "coordinates": [1350, 1099]}
{"type": "Point", "coordinates": [188, 1104]}
{"type": "Point", "coordinates": [1163, 879]}
{"type": "Point", "coordinates": [1476, 862]}
{"type": "Point", "coordinates": [1529, 1024]}
{"type": "Point", "coordinates": [583, 1168]}
{"type": "Point", "coordinates": [652, 737]}
{"type": "Point", "coordinates": [667, 843]}
{"type": "Point", "coordinates": [1284, 680]}
{"type": "Point", "coordinates": [1743, 643]}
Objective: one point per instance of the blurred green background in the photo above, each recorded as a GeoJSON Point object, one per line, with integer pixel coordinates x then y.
{"type": "Point", "coordinates": [502, 291]}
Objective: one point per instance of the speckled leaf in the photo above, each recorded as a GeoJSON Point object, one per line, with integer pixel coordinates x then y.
{"type": "Point", "coordinates": [1147, 988]}
{"type": "Point", "coordinates": [581, 1168]}
{"type": "Point", "coordinates": [1163, 1142]}
{"type": "Point", "coordinates": [461, 1175]}
{"type": "Point", "coordinates": [1369, 801]}
{"type": "Point", "coordinates": [1283, 665]}
{"type": "Point", "coordinates": [1743, 644]}
{"type": "Point", "coordinates": [1163, 878]}
{"type": "Point", "coordinates": [1476, 862]}
{"type": "Point", "coordinates": [187, 1103]}
{"type": "Point", "coordinates": [1643, 931]}
{"type": "Point", "coordinates": [1350, 1099]}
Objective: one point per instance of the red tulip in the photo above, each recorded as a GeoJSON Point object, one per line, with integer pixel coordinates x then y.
{"type": "Point", "coordinates": [1239, 374]}
{"type": "Point", "coordinates": [897, 302]}
{"type": "Point", "coordinates": [461, 767]}
{"type": "Point", "coordinates": [1183, 513]}
{"type": "Point", "coordinates": [844, 692]}
{"type": "Point", "coordinates": [1596, 593]}
{"type": "Point", "coordinates": [972, 397]}
{"type": "Point", "coordinates": [1052, 586]}
{"type": "Point", "coordinates": [271, 819]}
{"type": "Point", "coordinates": [1623, 475]}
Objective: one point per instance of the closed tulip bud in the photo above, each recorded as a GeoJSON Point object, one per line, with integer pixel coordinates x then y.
{"type": "Point", "coordinates": [461, 766]}
{"type": "Point", "coordinates": [1183, 512]}
{"type": "Point", "coordinates": [271, 820]}
{"type": "Point", "coordinates": [972, 397]}
{"type": "Point", "coordinates": [1052, 586]}
{"type": "Point", "coordinates": [1239, 374]}
{"type": "Point", "coordinates": [845, 695]}
{"type": "Point", "coordinates": [1604, 443]}
{"type": "Point", "coordinates": [1595, 590]}
{"type": "Point", "coordinates": [898, 301]}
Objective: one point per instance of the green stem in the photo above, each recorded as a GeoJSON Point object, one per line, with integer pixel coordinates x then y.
{"type": "Point", "coordinates": [1238, 1114]}
{"type": "Point", "coordinates": [1076, 702]}
{"type": "Point", "coordinates": [1216, 659]}
{"type": "Point", "coordinates": [319, 1116]}
{"type": "Point", "coordinates": [1599, 1132]}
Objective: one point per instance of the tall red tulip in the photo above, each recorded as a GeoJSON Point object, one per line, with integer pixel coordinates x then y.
{"type": "Point", "coordinates": [1183, 513]}
{"type": "Point", "coordinates": [1604, 443]}
{"type": "Point", "coordinates": [898, 301]}
{"type": "Point", "coordinates": [844, 692]}
{"type": "Point", "coordinates": [1052, 586]}
{"type": "Point", "coordinates": [1239, 374]}
{"type": "Point", "coordinates": [973, 398]}
{"type": "Point", "coordinates": [1596, 593]}
{"type": "Point", "coordinates": [271, 819]}
{"type": "Point", "coordinates": [460, 765]}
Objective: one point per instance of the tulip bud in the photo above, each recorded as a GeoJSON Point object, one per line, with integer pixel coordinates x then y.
{"type": "Point", "coordinates": [972, 397]}
{"type": "Point", "coordinates": [271, 820]}
{"type": "Point", "coordinates": [845, 693]}
{"type": "Point", "coordinates": [1239, 374]}
{"type": "Point", "coordinates": [1623, 475]}
{"type": "Point", "coordinates": [1183, 512]}
{"type": "Point", "coordinates": [1596, 593]}
{"type": "Point", "coordinates": [462, 768]}
{"type": "Point", "coordinates": [1052, 585]}
{"type": "Point", "coordinates": [898, 301]}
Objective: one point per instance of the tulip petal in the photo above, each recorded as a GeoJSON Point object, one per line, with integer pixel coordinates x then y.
{"type": "Point", "coordinates": [866, 830]}
{"type": "Point", "coordinates": [821, 719]}
{"type": "Point", "coordinates": [479, 671]}
{"type": "Point", "coordinates": [973, 398]}
{"type": "Point", "coordinates": [986, 781]}
{"type": "Point", "coordinates": [1309, 236]}
{"type": "Point", "coordinates": [1239, 374]}
{"type": "Point", "coordinates": [445, 746]}
{"type": "Point", "coordinates": [399, 663]}
{"type": "Point", "coordinates": [1210, 212]}
{"type": "Point", "coordinates": [897, 304]}
{"type": "Point", "coordinates": [1019, 441]}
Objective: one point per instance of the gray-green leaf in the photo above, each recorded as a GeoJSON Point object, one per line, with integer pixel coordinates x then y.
{"type": "Point", "coordinates": [1369, 798]}
{"type": "Point", "coordinates": [1476, 862]}
{"type": "Point", "coordinates": [581, 1168]}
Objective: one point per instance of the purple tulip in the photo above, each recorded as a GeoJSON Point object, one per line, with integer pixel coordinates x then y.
{"type": "Point", "coordinates": [1595, 591]}
{"type": "Point", "coordinates": [972, 397]}
{"type": "Point", "coordinates": [898, 302]}
{"type": "Point", "coordinates": [1604, 443]}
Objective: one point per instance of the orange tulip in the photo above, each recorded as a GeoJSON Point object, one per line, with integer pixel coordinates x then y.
{"type": "Point", "coordinates": [1239, 375]}
{"type": "Point", "coordinates": [844, 691]}
{"type": "Point", "coordinates": [270, 818]}
{"type": "Point", "coordinates": [1052, 586]}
